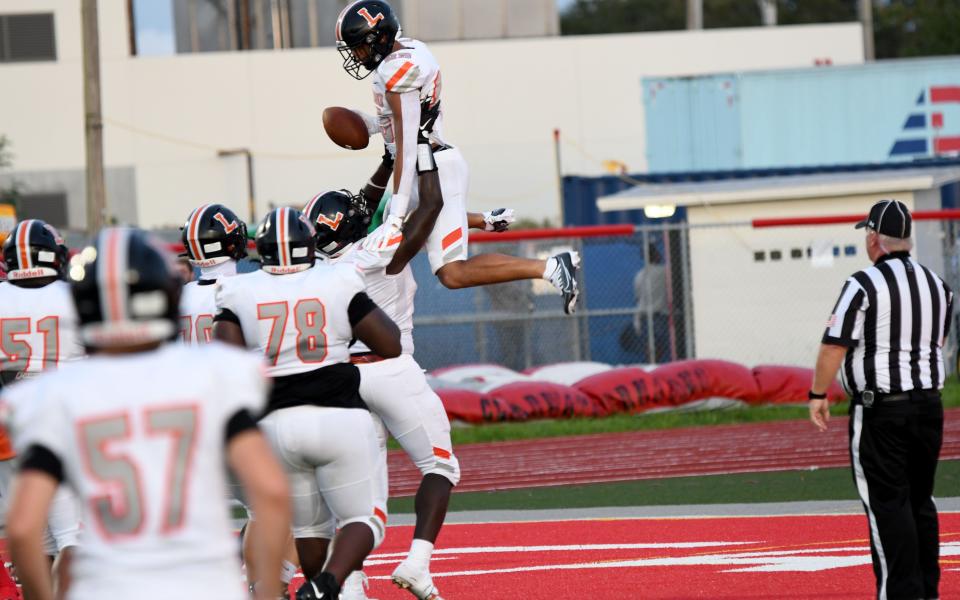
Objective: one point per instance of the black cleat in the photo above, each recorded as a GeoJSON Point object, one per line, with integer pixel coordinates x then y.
{"type": "Point", "coordinates": [322, 587]}
{"type": "Point", "coordinates": [564, 278]}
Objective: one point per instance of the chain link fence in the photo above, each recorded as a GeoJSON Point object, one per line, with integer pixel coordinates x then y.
{"type": "Point", "coordinates": [657, 294]}
{"type": "Point", "coordinates": [664, 293]}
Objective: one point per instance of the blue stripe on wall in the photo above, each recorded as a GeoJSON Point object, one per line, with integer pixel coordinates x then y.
{"type": "Point", "coordinates": [916, 122]}
{"type": "Point", "coordinates": [909, 147]}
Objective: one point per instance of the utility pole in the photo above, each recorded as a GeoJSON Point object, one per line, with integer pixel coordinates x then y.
{"type": "Point", "coordinates": [93, 126]}
{"type": "Point", "coordinates": [866, 19]}
{"type": "Point", "coordinates": [694, 14]}
{"type": "Point", "coordinates": [768, 12]}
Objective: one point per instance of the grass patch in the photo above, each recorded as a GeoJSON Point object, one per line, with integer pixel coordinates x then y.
{"type": "Point", "coordinates": [784, 486]}
{"type": "Point", "coordinates": [545, 428]}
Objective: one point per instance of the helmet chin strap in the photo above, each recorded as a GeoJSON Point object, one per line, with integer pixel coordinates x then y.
{"type": "Point", "coordinates": [224, 269]}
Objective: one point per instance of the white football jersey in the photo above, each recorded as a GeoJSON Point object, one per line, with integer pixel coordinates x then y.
{"type": "Point", "coordinates": [298, 321]}
{"type": "Point", "coordinates": [38, 329]}
{"type": "Point", "coordinates": [197, 308]}
{"type": "Point", "coordinates": [141, 438]}
{"type": "Point", "coordinates": [411, 69]}
{"type": "Point", "coordinates": [392, 293]}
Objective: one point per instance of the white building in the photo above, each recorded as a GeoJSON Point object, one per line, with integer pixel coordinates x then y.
{"type": "Point", "coordinates": [166, 118]}
{"type": "Point", "coordinates": [762, 295]}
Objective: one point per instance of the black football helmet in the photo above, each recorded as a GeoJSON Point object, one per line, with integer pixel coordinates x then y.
{"type": "Point", "coordinates": [337, 219]}
{"type": "Point", "coordinates": [34, 249]}
{"type": "Point", "coordinates": [285, 242]}
{"type": "Point", "coordinates": [214, 234]}
{"type": "Point", "coordinates": [126, 289]}
{"type": "Point", "coordinates": [370, 26]}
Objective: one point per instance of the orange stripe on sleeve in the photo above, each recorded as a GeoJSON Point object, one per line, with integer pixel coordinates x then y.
{"type": "Point", "coordinates": [452, 238]}
{"type": "Point", "coordinates": [399, 75]}
{"type": "Point", "coordinates": [380, 514]}
{"type": "Point", "coordinates": [441, 453]}
{"type": "Point", "coordinates": [6, 448]}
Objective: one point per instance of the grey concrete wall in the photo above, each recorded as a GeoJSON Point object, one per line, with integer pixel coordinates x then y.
{"type": "Point", "coordinates": [120, 183]}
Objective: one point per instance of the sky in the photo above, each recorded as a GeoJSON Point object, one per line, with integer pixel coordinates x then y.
{"type": "Point", "coordinates": [154, 26]}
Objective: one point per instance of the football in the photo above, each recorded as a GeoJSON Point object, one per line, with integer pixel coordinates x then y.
{"type": "Point", "coordinates": [345, 127]}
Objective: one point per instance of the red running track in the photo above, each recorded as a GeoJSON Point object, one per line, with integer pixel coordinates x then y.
{"type": "Point", "coordinates": [770, 558]}
{"type": "Point", "coordinates": [714, 450]}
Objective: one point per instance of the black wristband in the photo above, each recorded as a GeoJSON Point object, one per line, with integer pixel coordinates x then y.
{"type": "Point", "coordinates": [812, 396]}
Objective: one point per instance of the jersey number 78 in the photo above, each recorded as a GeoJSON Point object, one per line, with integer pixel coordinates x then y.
{"type": "Point", "coordinates": [309, 318]}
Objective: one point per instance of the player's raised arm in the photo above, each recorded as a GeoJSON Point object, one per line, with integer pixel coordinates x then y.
{"type": "Point", "coordinates": [405, 108]}
{"type": "Point", "coordinates": [373, 327]}
{"type": "Point", "coordinates": [373, 191]}
{"type": "Point", "coordinates": [421, 222]}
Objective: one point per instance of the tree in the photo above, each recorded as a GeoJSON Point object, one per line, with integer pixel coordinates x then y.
{"type": "Point", "coordinates": [620, 16]}
{"type": "Point", "coordinates": [906, 28]}
{"type": "Point", "coordinates": [902, 28]}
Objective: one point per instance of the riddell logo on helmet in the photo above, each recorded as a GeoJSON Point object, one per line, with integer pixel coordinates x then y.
{"type": "Point", "coordinates": [371, 20]}
{"type": "Point", "coordinates": [28, 273]}
{"type": "Point", "coordinates": [333, 223]}
{"type": "Point", "coordinates": [228, 227]}
{"type": "Point", "coordinates": [209, 262]}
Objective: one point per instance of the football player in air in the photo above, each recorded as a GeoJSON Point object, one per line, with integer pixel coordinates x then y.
{"type": "Point", "coordinates": [38, 333]}
{"type": "Point", "coordinates": [396, 389]}
{"type": "Point", "coordinates": [406, 89]}
{"type": "Point", "coordinates": [301, 318]}
{"type": "Point", "coordinates": [214, 239]}
{"type": "Point", "coordinates": [142, 431]}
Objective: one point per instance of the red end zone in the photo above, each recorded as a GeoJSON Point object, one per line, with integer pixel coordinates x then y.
{"type": "Point", "coordinates": [731, 557]}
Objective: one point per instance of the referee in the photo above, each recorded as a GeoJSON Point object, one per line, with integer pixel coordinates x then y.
{"type": "Point", "coordinates": [886, 337]}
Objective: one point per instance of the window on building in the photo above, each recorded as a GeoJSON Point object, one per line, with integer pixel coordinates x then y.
{"type": "Point", "coordinates": [27, 37]}
{"type": "Point", "coordinates": [796, 253]}
{"type": "Point", "coordinates": [759, 256]}
{"type": "Point", "coordinates": [776, 255]}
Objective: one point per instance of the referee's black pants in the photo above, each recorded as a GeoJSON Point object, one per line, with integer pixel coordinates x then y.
{"type": "Point", "coordinates": [894, 449]}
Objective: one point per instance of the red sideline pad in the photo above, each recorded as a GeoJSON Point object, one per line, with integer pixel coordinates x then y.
{"type": "Point", "coordinates": [732, 557]}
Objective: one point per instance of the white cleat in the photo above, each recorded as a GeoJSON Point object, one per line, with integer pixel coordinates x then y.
{"type": "Point", "coordinates": [355, 587]}
{"type": "Point", "coordinates": [416, 580]}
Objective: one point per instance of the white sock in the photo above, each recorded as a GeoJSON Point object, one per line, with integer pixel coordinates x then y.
{"type": "Point", "coordinates": [420, 551]}
{"type": "Point", "coordinates": [288, 571]}
{"type": "Point", "coordinates": [551, 267]}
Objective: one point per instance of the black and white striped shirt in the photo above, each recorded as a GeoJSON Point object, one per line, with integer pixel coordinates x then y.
{"type": "Point", "coordinates": [894, 318]}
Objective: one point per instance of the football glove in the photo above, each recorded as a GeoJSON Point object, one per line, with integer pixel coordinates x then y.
{"type": "Point", "coordinates": [498, 219]}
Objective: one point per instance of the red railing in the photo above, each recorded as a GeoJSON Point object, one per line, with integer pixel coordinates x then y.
{"type": "Point", "coordinates": [487, 237]}
{"type": "Point", "coordinates": [922, 215]}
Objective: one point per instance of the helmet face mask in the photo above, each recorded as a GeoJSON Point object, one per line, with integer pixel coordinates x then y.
{"type": "Point", "coordinates": [338, 221]}
{"type": "Point", "coordinates": [285, 242]}
{"type": "Point", "coordinates": [213, 234]}
{"type": "Point", "coordinates": [366, 32]}
{"type": "Point", "coordinates": [34, 250]}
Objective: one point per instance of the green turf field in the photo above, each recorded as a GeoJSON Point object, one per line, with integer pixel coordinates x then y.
{"type": "Point", "coordinates": [783, 486]}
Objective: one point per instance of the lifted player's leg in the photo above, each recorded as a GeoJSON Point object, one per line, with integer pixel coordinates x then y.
{"type": "Point", "coordinates": [447, 244]}
{"type": "Point", "coordinates": [486, 269]}
{"type": "Point", "coordinates": [418, 421]}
